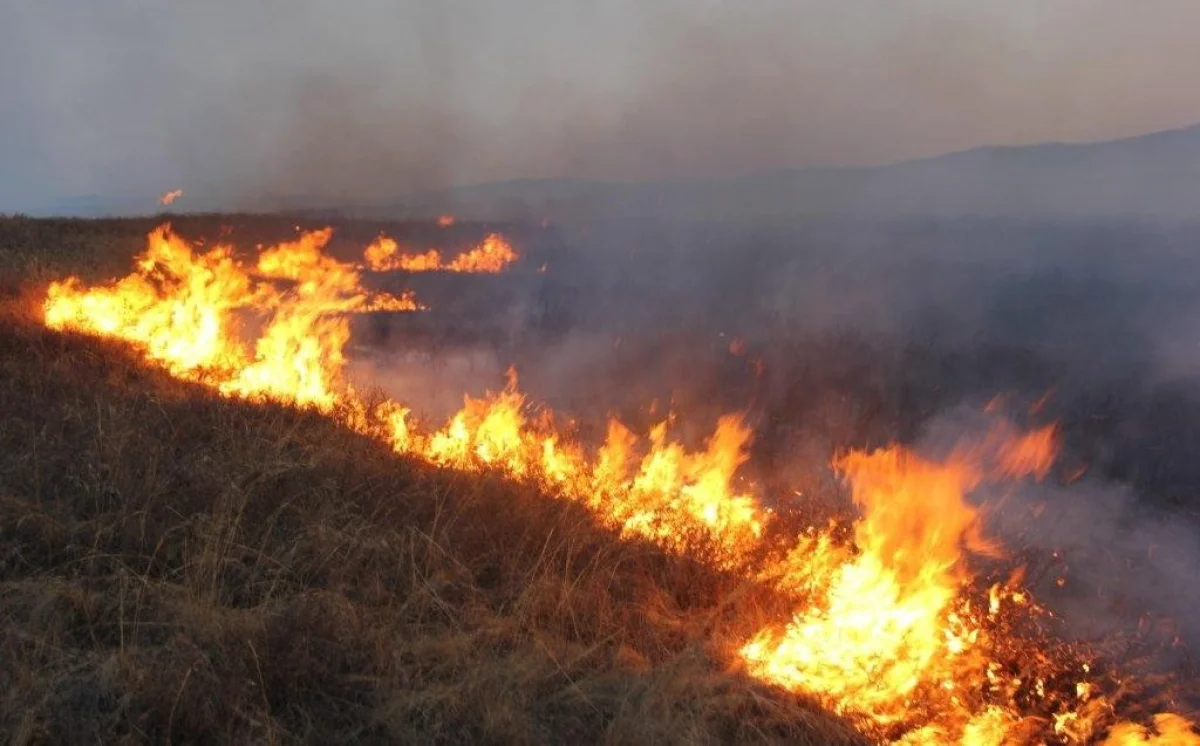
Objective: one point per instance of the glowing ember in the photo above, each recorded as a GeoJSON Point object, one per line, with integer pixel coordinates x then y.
{"type": "Point", "coordinates": [888, 624]}
{"type": "Point", "coordinates": [493, 255]}
{"type": "Point", "coordinates": [445, 221]}
{"type": "Point", "coordinates": [170, 197]}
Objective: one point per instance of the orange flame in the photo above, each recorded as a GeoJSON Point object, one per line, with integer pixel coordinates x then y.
{"type": "Point", "coordinates": [1169, 730]}
{"type": "Point", "coordinates": [182, 308]}
{"type": "Point", "coordinates": [445, 221]}
{"type": "Point", "coordinates": [661, 491]}
{"type": "Point", "coordinates": [888, 624]}
{"type": "Point", "coordinates": [493, 255]}
{"type": "Point", "coordinates": [169, 197]}
{"type": "Point", "coordinates": [887, 630]}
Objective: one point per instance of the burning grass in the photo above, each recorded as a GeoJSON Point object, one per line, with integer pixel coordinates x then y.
{"type": "Point", "coordinates": [492, 255]}
{"type": "Point", "coordinates": [887, 619]}
{"type": "Point", "coordinates": [180, 566]}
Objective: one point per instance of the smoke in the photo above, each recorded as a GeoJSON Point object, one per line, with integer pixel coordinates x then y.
{"type": "Point", "coordinates": [245, 105]}
{"type": "Point", "coordinates": [1102, 558]}
{"type": "Point", "coordinates": [853, 335]}
{"type": "Point", "coordinates": [1114, 558]}
{"type": "Point", "coordinates": [1113, 553]}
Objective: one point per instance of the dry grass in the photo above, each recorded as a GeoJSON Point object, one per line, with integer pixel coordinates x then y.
{"type": "Point", "coordinates": [176, 567]}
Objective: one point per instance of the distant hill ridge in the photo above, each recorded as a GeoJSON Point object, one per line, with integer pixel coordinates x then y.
{"type": "Point", "coordinates": [1154, 176]}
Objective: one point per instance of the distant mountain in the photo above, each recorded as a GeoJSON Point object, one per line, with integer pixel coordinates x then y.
{"type": "Point", "coordinates": [1152, 177]}
{"type": "Point", "coordinates": [1155, 176]}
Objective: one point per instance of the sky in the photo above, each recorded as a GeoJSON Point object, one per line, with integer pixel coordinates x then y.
{"type": "Point", "coordinates": [367, 100]}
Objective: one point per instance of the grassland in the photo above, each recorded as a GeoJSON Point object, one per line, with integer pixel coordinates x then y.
{"type": "Point", "coordinates": [178, 567]}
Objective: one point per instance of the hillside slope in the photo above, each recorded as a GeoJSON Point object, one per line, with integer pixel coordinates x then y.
{"type": "Point", "coordinates": [180, 567]}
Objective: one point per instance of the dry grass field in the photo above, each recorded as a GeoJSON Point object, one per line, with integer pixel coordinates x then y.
{"type": "Point", "coordinates": [179, 567]}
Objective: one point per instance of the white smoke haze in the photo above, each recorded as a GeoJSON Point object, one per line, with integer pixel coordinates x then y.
{"type": "Point", "coordinates": [586, 376]}
{"type": "Point", "coordinates": [435, 383]}
{"type": "Point", "coordinates": [1099, 557]}
{"type": "Point", "coordinates": [1121, 565]}
{"type": "Point", "coordinates": [1125, 566]}
{"type": "Point", "coordinates": [243, 103]}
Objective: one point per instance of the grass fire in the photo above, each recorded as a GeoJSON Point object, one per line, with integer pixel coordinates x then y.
{"type": "Point", "coordinates": [492, 255]}
{"type": "Point", "coordinates": [225, 519]}
{"type": "Point", "coordinates": [614, 373]}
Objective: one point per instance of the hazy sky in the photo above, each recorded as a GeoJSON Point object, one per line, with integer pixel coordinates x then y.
{"type": "Point", "coordinates": [369, 98]}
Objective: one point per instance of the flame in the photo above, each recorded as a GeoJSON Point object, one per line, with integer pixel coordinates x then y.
{"type": "Point", "coordinates": [885, 627]}
{"type": "Point", "coordinates": [493, 255]}
{"type": "Point", "coordinates": [888, 629]}
{"type": "Point", "coordinates": [1168, 730]}
{"type": "Point", "coordinates": [445, 221]}
{"type": "Point", "coordinates": [184, 309]}
{"type": "Point", "coordinates": [890, 622]}
{"type": "Point", "coordinates": [657, 490]}
{"type": "Point", "coordinates": [177, 304]}
{"type": "Point", "coordinates": [169, 197]}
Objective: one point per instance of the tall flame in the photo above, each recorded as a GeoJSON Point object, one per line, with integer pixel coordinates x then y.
{"type": "Point", "coordinates": [890, 623]}
{"type": "Point", "coordinates": [885, 627]}
{"type": "Point", "coordinates": [177, 304]}
{"type": "Point", "coordinates": [184, 308]}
